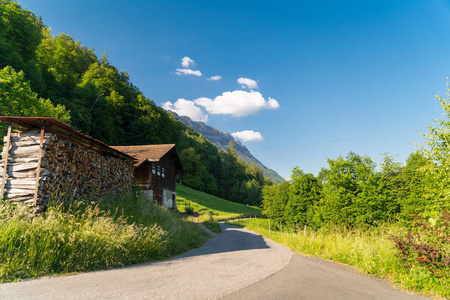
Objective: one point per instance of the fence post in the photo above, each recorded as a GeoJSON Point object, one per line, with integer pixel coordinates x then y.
{"type": "Point", "coordinates": [304, 231]}
{"type": "Point", "coordinates": [5, 162]}
{"type": "Point", "coordinates": [281, 229]}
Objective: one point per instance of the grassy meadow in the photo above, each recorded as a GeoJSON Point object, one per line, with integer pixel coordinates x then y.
{"type": "Point", "coordinates": [371, 251]}
{"type": "Point", "coordinates": [211, 207]}
{"type": "Point", "coordinates": [77, 236]}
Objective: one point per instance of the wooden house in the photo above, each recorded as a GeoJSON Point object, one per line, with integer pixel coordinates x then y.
{"type": "Point", "coordinates": [46, 157]}
{"type": "Point", "coordinates": [155, 171]}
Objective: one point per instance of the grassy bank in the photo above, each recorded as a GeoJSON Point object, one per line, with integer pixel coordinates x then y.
{"type": "Point", "coordinates": [370, 251]}
{"type": "Point", "coordinates": [205, 204]}
{"type": "Point", "coordinates": [213, 226]}
{"type": "Point", "coordinates": [90, 235]}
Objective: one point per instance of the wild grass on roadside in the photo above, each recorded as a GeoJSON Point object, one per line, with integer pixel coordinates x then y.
{"type": "Point", "coordinates": [204, 203]}
{"type": "Point", "coordinates": [370, 251]}
{"type": "Point", "coordinates": [213, 226]}
{"type": "Point", "coordinates": [76, 236]}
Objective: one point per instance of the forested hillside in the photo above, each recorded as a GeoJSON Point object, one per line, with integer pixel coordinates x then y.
{"type": "Point", "coordinates": [221, 140]}
{"type": "Point", "coordinates": [56, 76]}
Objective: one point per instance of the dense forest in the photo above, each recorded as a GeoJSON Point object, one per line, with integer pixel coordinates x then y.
{"type": "Point", "coordinates": [56, 76]}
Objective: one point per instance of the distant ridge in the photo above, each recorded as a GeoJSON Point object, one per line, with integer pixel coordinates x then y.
{"type": "Point", "coordinates": [222, 139]}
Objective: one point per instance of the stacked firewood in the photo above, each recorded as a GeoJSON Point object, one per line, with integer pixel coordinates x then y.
{"type": "Point", "coordinates": [67, 168]}
{"type": "Point", "coordinates": [75, 169]}
{"type": "Point", "coordinates": [23, 156]}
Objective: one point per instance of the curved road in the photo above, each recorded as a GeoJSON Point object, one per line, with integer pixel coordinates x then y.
{"type": "Point", "coordinates": [237, 264]}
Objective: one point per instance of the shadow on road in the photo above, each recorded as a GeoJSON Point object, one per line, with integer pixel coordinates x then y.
{"type": "Point", "coordinates": [232, 238]}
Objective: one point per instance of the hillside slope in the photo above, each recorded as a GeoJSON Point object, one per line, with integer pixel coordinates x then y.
{"type": "Point", "coordinates": [222, 139]}
{"type": "Point", "coordinates": [203, 203]}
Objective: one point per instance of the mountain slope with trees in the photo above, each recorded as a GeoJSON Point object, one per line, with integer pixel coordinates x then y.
{"type": "Point", "coordinates": [59, 77]}
{"type": "Point", "coordinates": [222, 139]}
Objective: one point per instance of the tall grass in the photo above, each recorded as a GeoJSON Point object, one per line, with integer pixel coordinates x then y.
{"type": "Point", "coordinates": [370, 251]}
{"type": "Point", "coordinates": [76, 236]}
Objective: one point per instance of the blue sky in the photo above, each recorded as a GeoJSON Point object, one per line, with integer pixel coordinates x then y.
{"type": "Point", "coordinates": [331, 76]}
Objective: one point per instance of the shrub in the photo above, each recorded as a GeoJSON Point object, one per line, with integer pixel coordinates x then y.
{"type": "Point", "coordinates": [189, 210]}
{"type": "Point", "coordinates": [426, 245]}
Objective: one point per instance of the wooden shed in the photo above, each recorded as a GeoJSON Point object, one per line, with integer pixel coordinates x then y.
{"type": "Point", "coordinates": [155, 171]}
{"type": "Point", "coordinates": [47, 156]}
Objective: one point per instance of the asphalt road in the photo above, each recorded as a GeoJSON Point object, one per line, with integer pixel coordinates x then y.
{"type": "Point", "coordinates": [310, 278]}
{"type": "Point", "coordinates": [237, 264]}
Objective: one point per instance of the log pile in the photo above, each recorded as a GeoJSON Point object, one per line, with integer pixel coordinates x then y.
{"type": "Point", "coordinates": [23, 156]}
{"type": "Point", "coordinates": [66, 168]}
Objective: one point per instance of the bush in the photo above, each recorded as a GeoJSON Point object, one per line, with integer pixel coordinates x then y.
{"type": "Point", "coordinates": [426, 245]}
{"type": "Point", "coordinates": [189, 211]}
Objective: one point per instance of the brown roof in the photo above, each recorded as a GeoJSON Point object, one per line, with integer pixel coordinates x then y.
{"type": "Point", "coordinates": [57, 127]}
{"type": "Point", "coordinates": [151, 153]}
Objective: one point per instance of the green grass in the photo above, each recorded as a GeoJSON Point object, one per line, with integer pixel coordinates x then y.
{"type": "Point", "coordinates": [370, 251]}
{"type": "Point", "coordinates": [213, 226]}
{"type": "Point", "coordinates": [205, 204]}
{"type": "Point", "coordinates": [76, 236]}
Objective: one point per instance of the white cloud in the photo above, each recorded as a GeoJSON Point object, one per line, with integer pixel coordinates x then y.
{"type": "Point", "coordinates": [215, 78]}
{"type": "Point", "coordinates": [188, 108]}
{"type": "Point", "coordinates": [237, 103]}
{"type": "Point", "coordinates": [272, 104]}
{"type": "Point", "coordinates": [248, 136]}
{"type": "Point", "coordinates": [248, 83]}
{"type": "Point", "coordinates": [188, 72]}
{"type": "Point", "coordinates": [186, 62]}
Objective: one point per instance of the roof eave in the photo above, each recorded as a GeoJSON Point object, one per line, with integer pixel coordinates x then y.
{"type": "Point", "coordinates": [57, 127]}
